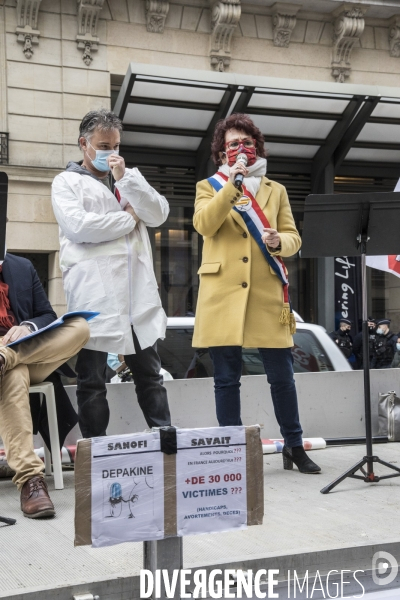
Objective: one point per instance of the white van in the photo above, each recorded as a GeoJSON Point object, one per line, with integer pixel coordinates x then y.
{"type": "Point", "coordinates": [313, 351]}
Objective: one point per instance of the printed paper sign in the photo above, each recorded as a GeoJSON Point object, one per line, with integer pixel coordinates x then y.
{"type": "Point", "coordinates": [211, 480]}
{"type": "Point", "coordinates": [127, 489]}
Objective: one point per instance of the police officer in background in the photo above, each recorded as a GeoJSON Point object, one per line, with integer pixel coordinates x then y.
{"type": "Point", "coordinates": [384, 345]}
{"type": "Point", "coordinates": [396, 360]}
{"type": "Point", "coordinates": [343, 338]}
{"type": "Point", "coordinates": [358, 344]}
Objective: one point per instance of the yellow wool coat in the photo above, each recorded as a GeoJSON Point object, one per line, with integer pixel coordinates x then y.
{"type": "Point", "coordinates": [240, 297]}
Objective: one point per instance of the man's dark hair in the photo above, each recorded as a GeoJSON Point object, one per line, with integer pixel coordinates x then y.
{"type": "Point", "coordinates": [98, 119]}
{"type": "Point", "coordinates": [240, 122]}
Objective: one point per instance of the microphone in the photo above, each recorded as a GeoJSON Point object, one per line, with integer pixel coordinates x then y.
{"type": "Point", "coordinates": [242, 157]}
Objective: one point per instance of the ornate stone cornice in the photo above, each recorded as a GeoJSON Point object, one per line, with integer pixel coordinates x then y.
{"type": "Point", "coordinates": [87, 39]}
{"type": "Point", "coordinates": [27, 31]}
{"type": "Point", "coordinates": [347, 30]}
{"type": "Point", "coordinates": [156, 13]}
{"type": "Point", "coordinates": [394, 37]}
{"type": "Point", "coordinates": [284, 17]}
{"type": "Point", "coordinates": [225, 16]}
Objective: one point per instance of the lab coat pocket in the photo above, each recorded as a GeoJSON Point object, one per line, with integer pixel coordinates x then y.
{"type": "Point", "coordinates": [148, 284]}
{"type": "Point", "coordinates": [83, 284]}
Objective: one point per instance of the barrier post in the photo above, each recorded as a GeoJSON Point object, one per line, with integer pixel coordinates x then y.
{"type": "Point", "coordinates": [164, 554]}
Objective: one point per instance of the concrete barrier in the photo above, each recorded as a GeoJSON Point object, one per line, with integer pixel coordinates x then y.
{"type": "Point", "coordinates": [331, 404]}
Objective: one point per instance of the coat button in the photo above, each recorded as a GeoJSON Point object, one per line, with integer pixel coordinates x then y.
{"type": "Point", "coordinates": [238, 195]}
{"type": "Point", "coordinates": [232, 202]}
{"type": "Point", "coordinates": [245, 259]}
{"type": "Point", "coordinates": [244, 284]}
{"type": "Point", "coordinates": [245, 235]}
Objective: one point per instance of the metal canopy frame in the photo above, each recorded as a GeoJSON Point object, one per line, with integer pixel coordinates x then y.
{"type": "Point", "coordinates": [314, 128]}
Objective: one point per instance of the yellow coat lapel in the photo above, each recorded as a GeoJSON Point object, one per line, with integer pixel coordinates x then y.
{"type": "Point", "coordinates": [264, 193]}
{"type": "Point", "coordinates": [262, 198]}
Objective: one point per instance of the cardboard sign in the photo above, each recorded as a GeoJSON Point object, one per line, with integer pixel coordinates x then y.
{"type": "Point", "coordinates": [126, 489]}
{"type": "Point", "coordinates": [211, 478]}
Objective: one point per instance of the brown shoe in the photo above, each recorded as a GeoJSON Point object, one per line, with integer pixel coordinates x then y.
{"type": "Point", "coordinates": [35, 500]}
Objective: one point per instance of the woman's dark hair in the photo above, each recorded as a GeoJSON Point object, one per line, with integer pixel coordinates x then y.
{"type": "Point", "coordinates": [240, 122]}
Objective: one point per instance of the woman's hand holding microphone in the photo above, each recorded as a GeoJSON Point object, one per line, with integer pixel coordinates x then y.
{"type": "Point", "coordinates": [238, 167]}
{"type": "Point", "coordinates": [270, 237]}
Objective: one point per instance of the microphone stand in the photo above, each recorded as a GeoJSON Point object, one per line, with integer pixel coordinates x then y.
{"type": "Point", "coordinates": [368, 474]}
{"type": "Point", "coordinates": [367, 220]}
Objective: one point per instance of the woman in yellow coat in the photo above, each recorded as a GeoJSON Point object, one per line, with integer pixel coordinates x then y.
{"type": "Point", "coordinates": [243, 297]}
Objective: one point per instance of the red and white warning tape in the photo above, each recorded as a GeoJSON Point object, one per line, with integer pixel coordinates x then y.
{"type": "Point", "coordinates": [67, 458]}
{"type": "Point", "coordinates": [270, 446]}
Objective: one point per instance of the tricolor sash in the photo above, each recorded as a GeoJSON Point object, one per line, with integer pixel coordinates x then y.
{"type": "Point", "coordinates": [255, 220]}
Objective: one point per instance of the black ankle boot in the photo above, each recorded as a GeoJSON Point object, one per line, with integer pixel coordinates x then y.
{"type": "Point", "coordinates": [298, 456]}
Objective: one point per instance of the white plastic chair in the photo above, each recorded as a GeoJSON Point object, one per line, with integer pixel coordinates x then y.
{"type": "Point", "coordinates": [46, 389]}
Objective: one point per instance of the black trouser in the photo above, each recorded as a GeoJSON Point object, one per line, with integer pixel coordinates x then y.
{"type": "Point", "coordinates": [66, 415]}
{"type": "Point", "coordinates": [91, 392]}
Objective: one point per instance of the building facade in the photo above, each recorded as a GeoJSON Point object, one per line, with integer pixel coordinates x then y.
{"type": "Point", "coordinates": [320, 77]}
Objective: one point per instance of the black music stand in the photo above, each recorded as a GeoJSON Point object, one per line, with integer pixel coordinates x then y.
{"type": "Point", "coordinates": [3, 219]}
{"type": "Point", "coordinates": [354, 225]}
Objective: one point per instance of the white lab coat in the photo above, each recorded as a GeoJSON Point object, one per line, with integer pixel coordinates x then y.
{"type": "Point", "coordinates": [106, 259]}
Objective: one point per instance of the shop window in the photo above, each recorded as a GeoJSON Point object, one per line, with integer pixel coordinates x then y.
{"type": "Point", "coordinates": [177, 261]}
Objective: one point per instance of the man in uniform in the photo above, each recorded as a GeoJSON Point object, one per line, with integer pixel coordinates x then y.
{"type": "Point", "coordinates": [343, 338]}
{"type": "Point", "coordinates": [396, 359]}
{"type": "Point", "coordinates": [358, 343]}
{"type": "Point", "coordinates": [384, 345]}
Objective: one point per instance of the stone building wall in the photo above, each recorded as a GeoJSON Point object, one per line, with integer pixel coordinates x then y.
{"type": "Point", "coordinates": [186, 42]}
{"type": "Point", "coordinates": [43, 98]}
{"type": "Point", "coordinates": [47, 95]}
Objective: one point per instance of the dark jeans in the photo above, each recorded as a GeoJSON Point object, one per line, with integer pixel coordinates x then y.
{"type": "Point", "coordinates": [278, 365]}
{"type": "Point", "coordinates": [91, 392]}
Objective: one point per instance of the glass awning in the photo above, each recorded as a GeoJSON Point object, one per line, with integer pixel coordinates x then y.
{"type": "Point", "coordinates": [176, 109]}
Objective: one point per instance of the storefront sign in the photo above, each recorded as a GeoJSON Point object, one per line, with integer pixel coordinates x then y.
{"type": "Point", "coordinates": [347, 293]}
{"type": "Point", "coordinates": [127, 489]}
{"type": "Point", "coordinates": [211, 480]}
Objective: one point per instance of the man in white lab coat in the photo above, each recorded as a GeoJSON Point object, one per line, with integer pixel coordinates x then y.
{"type": "Point", "coordinates": [106, 262]}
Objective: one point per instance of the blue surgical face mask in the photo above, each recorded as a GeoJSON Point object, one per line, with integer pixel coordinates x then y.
{"type": "Point", "coordinates": [113, 361]}
{"type": "Point", "coordinates": [100, 162]}
{"type": "Point", "coordinates": [398, 346]}
{"type": "Point", "coordinates": [379, 330]}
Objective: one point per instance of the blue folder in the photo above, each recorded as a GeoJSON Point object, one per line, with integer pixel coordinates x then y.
{"type": "Point", "coordinates": [86, 314]}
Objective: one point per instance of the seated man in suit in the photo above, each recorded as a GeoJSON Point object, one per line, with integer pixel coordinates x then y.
{"type": "Point", "coordinates": [24, 308]}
